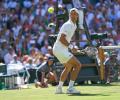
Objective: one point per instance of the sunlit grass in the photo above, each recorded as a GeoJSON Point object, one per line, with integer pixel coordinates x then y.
{"type": "Point", "coordinates": [88, 92]}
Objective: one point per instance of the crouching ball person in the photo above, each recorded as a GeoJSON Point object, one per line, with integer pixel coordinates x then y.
{"type": "Point", "coordinates": [45, 73]}
{"type": "Point", "coordinates": [60, 50]}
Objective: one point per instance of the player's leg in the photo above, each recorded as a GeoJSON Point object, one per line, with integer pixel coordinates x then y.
{"type": "Point", "coordinates": [76, 68]}
{"type": "Point", "coordinates": [64, 74]}
{"type": "Point", "coordinates": [73, 75]}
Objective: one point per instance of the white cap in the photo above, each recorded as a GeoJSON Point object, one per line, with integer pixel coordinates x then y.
{"type": "Point", "coordinates": [74, 9]}
{"type": "Point", "coordinates": [32, 41]}
{"type": "Point", "coordinates": [49, 48]}
{"type": "Point", "coordinates": [14, 55]}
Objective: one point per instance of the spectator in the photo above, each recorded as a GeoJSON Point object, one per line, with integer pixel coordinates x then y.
{"type": "Point", "coordinates": [111, 68]}
{"type": "Point", "coordinates": [30, 64]}
{"type": "Point", "coordinates": [15, 60]}
{"type": "Point", "coordinates": [9, 56]}
{"type": "Point", "coordinates": [3, 50]}
{"type": "Point", "coordinates": [44, 49]}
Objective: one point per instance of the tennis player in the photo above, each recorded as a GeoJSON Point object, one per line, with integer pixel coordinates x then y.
{"type": "Point", "coordinates": [61, 51]}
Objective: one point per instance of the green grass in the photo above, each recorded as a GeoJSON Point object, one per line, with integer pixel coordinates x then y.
{"type": "Point", "coordinates": [88, 92]}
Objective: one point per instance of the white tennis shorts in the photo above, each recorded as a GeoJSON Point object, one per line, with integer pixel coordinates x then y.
{"type": "Point", "coordinates": [62, 53]}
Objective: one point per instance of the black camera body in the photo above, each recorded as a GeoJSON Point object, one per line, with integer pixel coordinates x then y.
{"type": "Point", "coordinates": [98, 36]}
{"type": "Point", "coordinates": [66, 1]}
{"type": "Point", "coordinates": [52, 39]}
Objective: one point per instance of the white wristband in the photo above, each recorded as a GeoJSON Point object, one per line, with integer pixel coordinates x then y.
{"type": "Point", "coordinates": [70, 46]}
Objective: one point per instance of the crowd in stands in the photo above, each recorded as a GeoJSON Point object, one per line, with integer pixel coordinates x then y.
{"type": "Point", "coordinates": [104, 17]}
{"type": "Point", "coordinates": [24, 27]}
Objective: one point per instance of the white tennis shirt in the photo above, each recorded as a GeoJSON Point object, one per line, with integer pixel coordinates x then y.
{"type": "Point", "coordinates": [68, 29]}
{"type": "Point", "coordinates": [59, 49]}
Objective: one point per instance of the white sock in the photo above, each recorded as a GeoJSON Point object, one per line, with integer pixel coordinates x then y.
{"type": "Point", "coordinates": [71, 83]}
{"type": "Point", "coordinates": [60, 84]}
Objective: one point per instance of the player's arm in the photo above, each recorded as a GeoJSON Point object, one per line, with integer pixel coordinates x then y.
{"type": "Point", "coordinates": [63, 40]}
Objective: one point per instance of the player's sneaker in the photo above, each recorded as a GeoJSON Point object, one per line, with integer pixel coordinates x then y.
{"type": "Point", "coordinates": [72, 91]}
{"type": "Point", "coordinates": [59, 90]}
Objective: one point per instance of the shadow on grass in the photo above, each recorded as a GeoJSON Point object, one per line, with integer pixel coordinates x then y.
{"type": "Point", "coordinates": [88, 94]}
{"type": "Point", "coordinates": [100, 85]}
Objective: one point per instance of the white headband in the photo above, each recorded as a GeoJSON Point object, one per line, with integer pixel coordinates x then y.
{"type": "Point", "coordinates": [74, 9]}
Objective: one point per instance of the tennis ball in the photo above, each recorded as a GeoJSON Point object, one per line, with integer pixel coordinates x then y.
{"type": "Point", "coordinates": [51, 10]}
